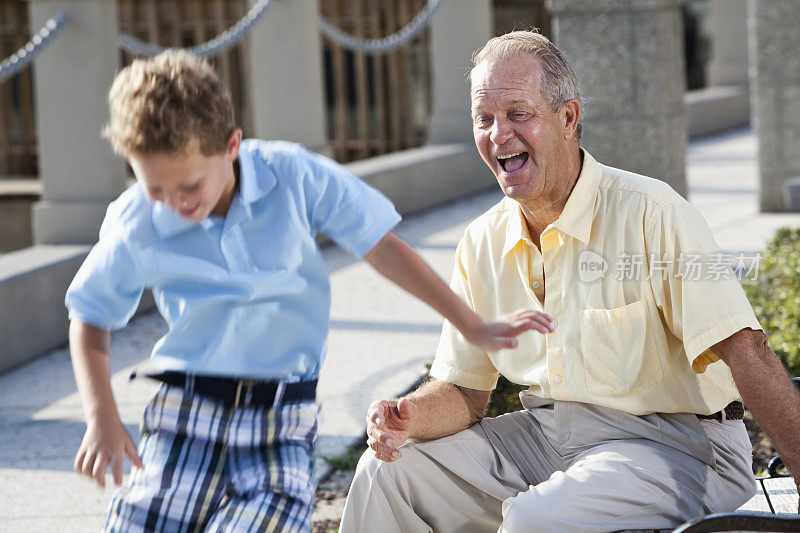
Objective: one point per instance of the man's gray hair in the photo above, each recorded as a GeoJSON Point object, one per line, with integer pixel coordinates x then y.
{"type": "Point", "coordinates": [559, 83]}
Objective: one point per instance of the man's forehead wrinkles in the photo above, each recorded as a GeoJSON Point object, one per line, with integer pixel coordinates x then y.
{"type": "Point", "coordinates": [502, 97]}
{"type": "Point", "coordinates": [510, 88]}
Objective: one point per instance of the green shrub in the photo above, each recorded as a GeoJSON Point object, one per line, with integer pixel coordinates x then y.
{"type": "Point", "coordinates": [775, 296]}
{"type": "Point", "coordinates": [505, 398]}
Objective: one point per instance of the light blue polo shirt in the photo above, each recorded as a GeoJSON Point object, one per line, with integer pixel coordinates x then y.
{"type": "Point", "coordinates": [247, 295]}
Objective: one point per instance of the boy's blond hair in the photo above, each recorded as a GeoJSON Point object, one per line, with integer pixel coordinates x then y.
{"type": "Point", "coordinates": [160, 105]}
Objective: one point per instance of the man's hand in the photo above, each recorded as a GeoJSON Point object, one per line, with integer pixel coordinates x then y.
{"type": "Point", "coordinates": [389, 424]}
{"type": "Point", "coordinates": [105, 443]}
{"type": "Point", "coordinates": [503, 333]}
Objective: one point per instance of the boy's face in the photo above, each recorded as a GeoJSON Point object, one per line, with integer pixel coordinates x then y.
{"type": "Point", "coordinates": [190, 183]}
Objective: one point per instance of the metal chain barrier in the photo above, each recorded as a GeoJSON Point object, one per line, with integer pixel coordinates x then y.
{"type": "Point", "coordinates": [383, 44]}
{"type": "Point", "coordinates": [214, 47]}
{"type": "Point", "coordinates": [22, 57]}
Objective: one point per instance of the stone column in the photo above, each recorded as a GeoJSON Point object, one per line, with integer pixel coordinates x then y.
{"type": "Point", "coordinates": [774, 41]}
{"type": "Point", "coordinates": [727, 26]}
{"type": "Point", "coordinates": [458, 28]}
{"type": "Point", "coordinates": [628, 56]}
{"type": "Point", "coordinates": [285, 66]}
{"type": "Point", "coordinates": [79, 172]}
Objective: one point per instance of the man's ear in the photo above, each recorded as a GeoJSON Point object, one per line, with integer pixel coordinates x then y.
{"type": "Point", "coordinates": [569, 115]}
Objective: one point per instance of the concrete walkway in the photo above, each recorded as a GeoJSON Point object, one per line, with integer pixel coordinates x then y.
{"type": "Point", "coordinates": [379, 344]}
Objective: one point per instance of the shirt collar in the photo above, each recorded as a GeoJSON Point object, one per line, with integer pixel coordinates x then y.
{"type": "Point", "coordinates": [252, 188]}
{"type": "Point", "coordinates": [576, 217]}
{"type": "Point", "coordinates": [517, 228]}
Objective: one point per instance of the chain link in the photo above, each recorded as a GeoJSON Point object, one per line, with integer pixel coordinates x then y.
{"type": "Point", "coordinates": [232, 35]}
{"type": "Point", "coordinates": [25, 55]}
{"type": "Point", "coordinates": [211, 48]}
{"type": "Point", "coordinates": [22, 57]}
{"type": "Point", "coordinates": [383, 44]}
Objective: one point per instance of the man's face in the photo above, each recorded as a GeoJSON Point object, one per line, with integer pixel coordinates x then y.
{"type": "Point", "coordinates": [517, 134]}
{"type": "Point", "coordinates": [190, 183]}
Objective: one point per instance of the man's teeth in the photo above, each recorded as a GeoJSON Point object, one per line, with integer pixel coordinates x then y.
{"type": "Point", "coordinates": [512, 162]}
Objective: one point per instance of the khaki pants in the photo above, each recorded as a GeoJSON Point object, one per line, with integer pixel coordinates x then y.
{"type": "Point", "coordinates": [559, 467]}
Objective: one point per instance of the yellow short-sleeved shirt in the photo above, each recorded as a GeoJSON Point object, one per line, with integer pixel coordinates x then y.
{"type": "Point", "coordinates": [636, 283]}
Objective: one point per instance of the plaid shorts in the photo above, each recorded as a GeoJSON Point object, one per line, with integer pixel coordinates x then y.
{"type": "Point", "coordinates": [209, 467]}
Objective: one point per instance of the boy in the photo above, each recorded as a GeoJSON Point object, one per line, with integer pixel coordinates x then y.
{"type": "Point", "coordinates": [223, 231]}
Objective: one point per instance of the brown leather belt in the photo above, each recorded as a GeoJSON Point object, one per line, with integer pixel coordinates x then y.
{"type": "Point", "coordinates": [733, 411]}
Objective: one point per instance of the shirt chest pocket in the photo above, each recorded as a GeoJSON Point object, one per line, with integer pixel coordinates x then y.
{"type": "Point", "coordinates": [619, 351]}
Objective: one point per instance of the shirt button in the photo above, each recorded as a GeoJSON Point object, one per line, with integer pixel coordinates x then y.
{"type": "Point", "coordinates": [554, 323]}
{"type": "Point", "coordinates": [557, 379]}
{"type": "Point", "coordinates": [536, 284]}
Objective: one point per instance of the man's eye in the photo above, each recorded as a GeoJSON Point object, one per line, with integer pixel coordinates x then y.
{"type": "Point", "coordinates": [518, 116]}
{"type": "Point", "coordinates": [483, 120]}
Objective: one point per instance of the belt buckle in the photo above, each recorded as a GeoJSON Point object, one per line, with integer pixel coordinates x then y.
{"type": "Point", "coordinates": [241, 385]}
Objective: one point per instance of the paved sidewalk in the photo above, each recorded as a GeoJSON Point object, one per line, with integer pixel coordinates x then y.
{"type": "Point", "coordinates": [380, 340]}
{"type": "Point", "coordinates": [722, 173]}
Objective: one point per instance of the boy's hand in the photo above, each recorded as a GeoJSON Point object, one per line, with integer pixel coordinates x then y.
{"type": "Point", "coordinates": [104, 444]}
{"type": "Point", "coordinates": [502, 334]}
{"type": "Point", "coordinates": [389, 424]}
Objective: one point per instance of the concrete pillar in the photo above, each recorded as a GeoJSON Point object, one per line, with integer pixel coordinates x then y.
{"type": "Point", "coordinates": [727, 27]}
{"type": "Point", "coordinates": [629, 60]}
{"type": "Point", "coordinates": [79, 172]}
{"type": "Point", "coordinates": [774, 39]}
{"type": "Point", "coordinates": [285, 65]}
{"type": "Point", "coordinates": [458, 28]}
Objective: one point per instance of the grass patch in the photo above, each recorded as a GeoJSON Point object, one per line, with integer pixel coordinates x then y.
{"type": "Point", "coordinates": [345, 461]}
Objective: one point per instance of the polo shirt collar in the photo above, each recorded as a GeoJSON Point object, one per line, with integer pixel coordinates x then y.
{"type": "Point", "coordinates": [252, 188]}
{"type": "Point", "coordinates": [576, 217]}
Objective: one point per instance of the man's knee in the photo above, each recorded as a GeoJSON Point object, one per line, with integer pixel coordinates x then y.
{"type": "Point", "coordinates": [533, 510]}
{"type": "Point", "coordinates": [374, 471]}
{"type": "Point", "coordinates": [554, 505]}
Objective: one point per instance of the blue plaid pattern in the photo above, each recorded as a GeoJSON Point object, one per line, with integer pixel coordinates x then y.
{"type": "Point", "coordinates": [209, 467]}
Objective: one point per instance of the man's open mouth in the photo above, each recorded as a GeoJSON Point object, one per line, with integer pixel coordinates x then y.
{"type": "Point", "coordinates": [512, 162]}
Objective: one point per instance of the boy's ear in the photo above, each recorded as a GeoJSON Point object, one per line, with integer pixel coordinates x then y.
{"type": "Point", "coordinates": [234, 141]}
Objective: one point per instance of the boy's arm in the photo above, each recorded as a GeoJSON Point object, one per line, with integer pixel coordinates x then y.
{"type": "Point", "coordinates": [106, 441]}
{"type": "Point", "coordinates": [398, 262]}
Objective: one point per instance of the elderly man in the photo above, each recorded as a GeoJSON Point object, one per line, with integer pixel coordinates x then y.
{"type": "Point", "coordinates": [633, 414]}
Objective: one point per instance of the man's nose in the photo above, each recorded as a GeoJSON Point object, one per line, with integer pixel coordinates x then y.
{"type": "Point", "coordinates": [501, 132]}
